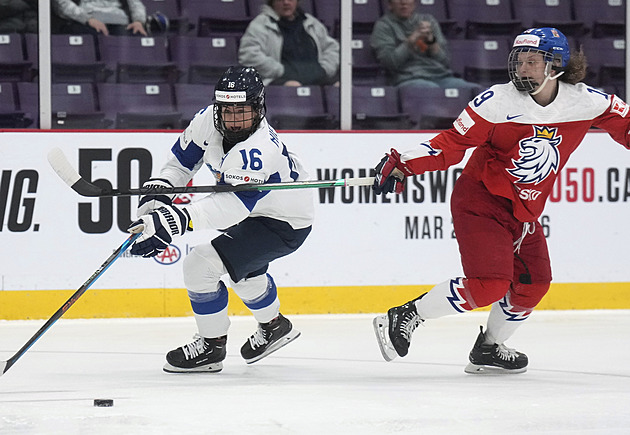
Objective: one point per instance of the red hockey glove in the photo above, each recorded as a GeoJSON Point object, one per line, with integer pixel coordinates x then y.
{"type": "Point", "coordinates": [387, 178]}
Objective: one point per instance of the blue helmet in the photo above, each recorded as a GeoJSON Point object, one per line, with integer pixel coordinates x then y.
{"type": "Point", "coordinates": [549, 42]}
{"type": "Point", "coordinates": [239, 86]}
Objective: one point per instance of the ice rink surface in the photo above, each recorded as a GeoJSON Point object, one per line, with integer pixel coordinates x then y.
{"type": "Point", "coordinates": [331, 380]}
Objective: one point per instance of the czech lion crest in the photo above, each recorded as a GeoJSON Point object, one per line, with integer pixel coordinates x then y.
{"type": "Point", "coordinates": [539, 156]}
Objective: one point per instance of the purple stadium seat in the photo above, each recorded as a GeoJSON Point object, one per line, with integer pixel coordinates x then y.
{"type": "Point", "coordinates": [74, 59]}
{"type": "Point", "coordinates": [480, 18]}
{"type": "Point", "coordinates": [74, 106]}
{"type": "Point", "coordinates": [14, 65]}
{"type": "Point", "coordinates": [74, 98]}
{"type": "Point", "coordinates": [364, 14]}
{"type": "Point", "coordinates": [373, 107]}
{"type": "Point", "coordinates": [328, 12]}
{"type": "Point", "coordinates": [8, 100]}
{"type": "Point", "coordinates": [434, 108]}
{"type": "Point", "coordinates": [482, 61]}
{"type": "Point", "coordinates": [374, 101]}
{"type": "Point", "coordinates": [28, 96]}
{"type": "Point", "coordinates": [203, 59]}
{"type": "Point", "coordinates": [168, 7]}
{"type": "Point", "coordinates": [216, 16]}
{"type": "Point", "coordinates": [365, 68]}
{"type": "Point", "coordinates": [31, 43]}
{"type": "Point", "coordinates": [331, 104]}
{"type": "Point", "coordinates": [191, 98]}
{"type": "Point", "coordinates": [545, 13]}
{"type": "Point", "coordinates": [606, 62]}
{"type": "Point", "coordinates": [10, 114]}
{"type": "Point", "coordinates": [138, 59]}
{"type": "Point", "coordinates": [296, 108]}
{"type": "Point", "coordinates": [604, 18]}
{"type": "Point", "coordinates": [138, 106]}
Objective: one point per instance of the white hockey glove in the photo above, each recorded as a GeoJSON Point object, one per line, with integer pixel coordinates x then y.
{"type": "Point", "coordinates": [158, 229]}
{"type": "Point", "coordinates": [148, 203]}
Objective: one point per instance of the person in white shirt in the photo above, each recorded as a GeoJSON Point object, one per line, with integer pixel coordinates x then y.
{"type": "Point", "coordinates": [107, 17]}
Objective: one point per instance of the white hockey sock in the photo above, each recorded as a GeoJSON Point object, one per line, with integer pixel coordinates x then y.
{"type": "Point", "coordinates": [268, 313]}
{"type": "Point", "coordinates": [208, 296]}
{"type": "Point", "coordinates": [503, 321]}
{"type": "Point", "coordinates": [260, 295]}
{"type": "Point", "coordinates": [213, 325]}
{"type": "Point", "coordinates": [444, 299]}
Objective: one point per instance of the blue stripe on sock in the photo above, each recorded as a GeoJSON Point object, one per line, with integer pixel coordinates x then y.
{"type": "Point", "coordinates": [209, 303]}
{"type": "Point", "coordinates": [266, 299]}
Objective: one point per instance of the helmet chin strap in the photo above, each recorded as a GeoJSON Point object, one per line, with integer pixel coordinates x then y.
{"type": "Point", "coordinates": [547, 78]}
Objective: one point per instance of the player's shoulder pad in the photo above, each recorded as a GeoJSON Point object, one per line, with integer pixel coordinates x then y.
{"type": "Point", "coordinates": [493, 103]}
{"type": "Point", "coordinates": [487, 105]}
{"type": "Point", "coordinates": [199, 129]}
{"type": "Point", "coordinates": [599, 101]}
{"type": "Point", "coordinates": [581, 102]}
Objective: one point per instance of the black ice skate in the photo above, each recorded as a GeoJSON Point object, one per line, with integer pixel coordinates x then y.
{"type": "Point", "coordinates": [494, 358]}
{"type": "Point", "coordinates": [268, 338]}
{"type": "Point", "coordinates": [394, 329]}
{"type": "Point", "coordinates": [202, 355]}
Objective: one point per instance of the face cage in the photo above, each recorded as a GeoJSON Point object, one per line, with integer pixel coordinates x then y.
{"type": "Point", "coordinates": [527, 84]}
{"type": "Point", "coordinates": [235, 136]}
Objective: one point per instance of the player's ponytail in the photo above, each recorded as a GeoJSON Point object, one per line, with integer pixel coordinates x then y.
{"type": "Point", "coordinates": [575, 71]}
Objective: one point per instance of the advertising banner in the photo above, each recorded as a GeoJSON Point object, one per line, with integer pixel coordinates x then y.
{"type": "Point", "coordinates": [52, 238]}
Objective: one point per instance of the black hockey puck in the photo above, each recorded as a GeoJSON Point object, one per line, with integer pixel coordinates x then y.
{"type": "Point", "coordinates": [104, 402]}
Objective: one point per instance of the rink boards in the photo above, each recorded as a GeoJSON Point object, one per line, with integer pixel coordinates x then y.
{"type": "Point", "coordinates": [364, 254]}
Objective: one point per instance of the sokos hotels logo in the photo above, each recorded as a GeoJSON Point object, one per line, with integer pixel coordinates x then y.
{"type": "Point", "coordinates": [170, 255]}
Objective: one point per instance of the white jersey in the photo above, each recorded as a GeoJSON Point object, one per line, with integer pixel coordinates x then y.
{"type": "Point", "coordinates": [261, 158]}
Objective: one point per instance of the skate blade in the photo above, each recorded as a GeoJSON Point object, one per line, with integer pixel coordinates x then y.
{"type": "Point", "coordinates": [209, 368]}
{"type": "Point", "coordinates": [292, 335]}
{"type": "Point", "coordinates": [381, 327]}
{"type": "Point", "coordinates": [475, 369]}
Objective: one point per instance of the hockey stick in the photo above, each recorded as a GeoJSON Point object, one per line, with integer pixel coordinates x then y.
{"type": "Point", "coordinates": [6, 365]}
{"type": "Point", "coordinates": [64, 169]}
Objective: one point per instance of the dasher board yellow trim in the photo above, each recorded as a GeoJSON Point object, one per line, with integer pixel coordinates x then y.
{"type": "Point", "coordinates": [41, 304]}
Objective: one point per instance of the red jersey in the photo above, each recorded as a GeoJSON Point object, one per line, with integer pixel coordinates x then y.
{"type": "Point", "coordinates": [520, 146]}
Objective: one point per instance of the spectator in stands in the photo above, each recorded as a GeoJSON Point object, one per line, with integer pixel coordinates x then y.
{"type": "Point", "coordinates": [410, 46]}
{"type": "Point", "coordinates": [289, 47]}
{"type": "Point", "coordinates": [109, 17]}
{"type": "Point", "coordinates": [18, 16]}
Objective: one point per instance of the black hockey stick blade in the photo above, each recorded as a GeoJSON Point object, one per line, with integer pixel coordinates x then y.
{"type": "Point", "coordinates": [6, 365]}
{"type": "Point", "coordinates": [71, 177]}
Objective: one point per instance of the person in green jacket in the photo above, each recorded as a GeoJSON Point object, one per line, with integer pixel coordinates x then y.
{"type": "Point", "coordinates": [410, 46]}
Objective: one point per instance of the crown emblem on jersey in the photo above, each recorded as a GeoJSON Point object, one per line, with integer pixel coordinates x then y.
{"type": "Point", "coordinates": [538, 156]}
{"type": "Point", "coordinates": [547, 133]}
